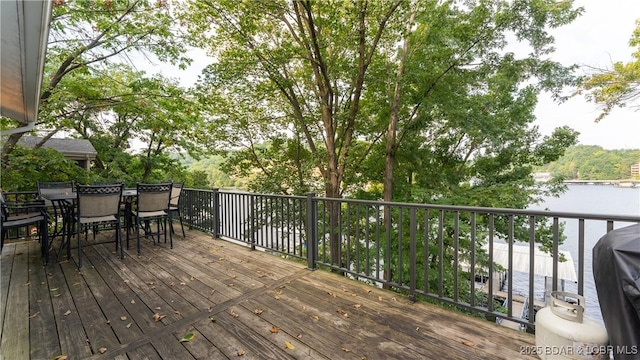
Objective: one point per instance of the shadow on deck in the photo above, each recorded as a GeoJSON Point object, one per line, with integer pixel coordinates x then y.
{"type": "Point", "coordinates": [237, 303]}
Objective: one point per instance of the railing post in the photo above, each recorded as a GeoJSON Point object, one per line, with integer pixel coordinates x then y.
{"type": "Point", "coordinates": [216, 213]}
{"type": "Point", "coordinates": [312, 234]}
{"type": "Point", "coordinates": [190, 196]}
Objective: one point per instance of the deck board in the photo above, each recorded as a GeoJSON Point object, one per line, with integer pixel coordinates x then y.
{"type": "Point", "coordinates": [236, 302]}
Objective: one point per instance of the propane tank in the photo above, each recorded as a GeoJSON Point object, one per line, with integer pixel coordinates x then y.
{"type": "Point", "coordinates": [562, 331]}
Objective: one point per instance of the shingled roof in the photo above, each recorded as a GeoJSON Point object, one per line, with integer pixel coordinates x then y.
{"type": "Point", "coordinates": [75, 149]}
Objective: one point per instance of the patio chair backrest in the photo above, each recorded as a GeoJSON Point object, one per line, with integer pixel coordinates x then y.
{"type": "Point", "coordinates": [54, 188]}
{"type": "Point", "coordinates": [99, 200]}
{"type": "Point", "coordinates": [176, 189]}
{"type": "Point", "coordinates": [153, 197]}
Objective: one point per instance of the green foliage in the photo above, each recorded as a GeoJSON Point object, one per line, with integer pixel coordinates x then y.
{"type": "Point", "coordinates": [616, 86]}
{"type": "Point", "coordinates": [28, 166]}
{"type": "Point", "coordinates": [591, 162]}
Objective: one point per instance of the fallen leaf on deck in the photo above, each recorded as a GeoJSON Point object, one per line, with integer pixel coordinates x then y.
{"type": "Point", "coordinates": [102, 350]}
{"type": "Point", "coordinates": [158, 317]}
{"type": "Point", "coordinates": [380, 298]}
{"type": "Point", "coordinates": [187, 337]}
{"type": "Point", "coordinates": [468, 343]}
{"type": "Point", "coordinates": [192, 278]}
{"type": "Point", "coordinates": [368, 291]}
{"type": "Point", "coordinates": [357, 306]}
{"type": "Point", "coordinates": [183, 283]}
{"type": "Point", "coordinates": [158, 307]}
{"type": "Point", "coordinates": [210, 309]}
{"type": "Point", "coordinates": [213, 319]}
{"type": "Point", "coordinates": [316, 317]}
{"type": "Point", "coordinates": [274, 330]}
{"type": "Point", "coordinates": [176, 312]}
{"type": "Point", "coordinates": [60, 357]}
{"type": "Point", "coordinates": [126, 281]}
{"type": "Point", "coordinates": [299, 336]}
{"type": "Point", "coordinates": [240, 353]}
{"type": "Point", "coordinates": [288, 345]}
{"type": "Point", "coordinates": [258, 311]}
{"type": "Point", "coordinates": [67, 313]}
{"type": "Point", "coordinates": [418, 328]}
{"type": "Point", "coordinates": [129, 325]}
{"type": "Point", "coordinates": [234, 314]}
{"type": "Point", "coordinates": [346, 350]}
{"type": "Point", "coordinates": [54, 289]}
{"type": "Point", "coordinates": [34, 315]}
{"type": "Point", "coordinates": [344, 313]}
{"type": "Point", "coordinates": [133, 301]}
{"type": "Point", "coordinates": [123, 318]}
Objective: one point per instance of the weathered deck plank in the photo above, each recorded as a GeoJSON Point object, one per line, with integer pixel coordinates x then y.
{"type": "Point", "coordinates": [236, 302]}
{"type": "Point", "coordinates": [15, 333]}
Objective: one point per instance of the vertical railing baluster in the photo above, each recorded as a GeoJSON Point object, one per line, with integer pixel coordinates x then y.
{"type": "Point", "coordinates": [412, 254]}
{"type": "Point", "coordinates": [348, 236]}
{"type": "Point", "coordinates": [441, 253]}
{"type": "Point", "coordinates": [490, 275]}
{"type": "Point", "coordinates": [312, 236]}
{"type": "Point", "coordinates": [252, 224]}
{"type": "Point", "coordinates": [357, 239]}
{"type": "Point", "coordinates": [581, 256]}
{"type": "Point", "coordinates": [556, 240]}
{"type": "Point", "coordinates": [216, 213]}
{"type": "Point", "coordinates": [472, 259]}
{"type": "Point", "coordinates": [510, 271]}
{"type": "Point", "coordinates": [400, 246]}
{"type": "Point", "coordinates": [456, 250]}
{"type": "Point", "coordinates": [532, 257]}
{"type": "Point", "coordinates": [426, 252]}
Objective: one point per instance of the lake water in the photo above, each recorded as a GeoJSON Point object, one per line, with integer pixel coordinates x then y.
{"type": "Point", "coordinates": [591, 199]}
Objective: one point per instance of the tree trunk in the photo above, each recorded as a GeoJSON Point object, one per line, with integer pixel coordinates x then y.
{"type": "Point", "coordinates": [392, 136]}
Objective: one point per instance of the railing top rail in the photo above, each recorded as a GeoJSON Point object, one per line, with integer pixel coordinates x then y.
{"type": "Point", "coordinates": [489, 210]}
{"type": "Point", "coordinates": [477, 209]}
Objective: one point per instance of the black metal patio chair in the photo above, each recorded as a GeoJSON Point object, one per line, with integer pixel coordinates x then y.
{"type": "Point", "coordinates": [152, 204]}
{"type": "Point", "coordinates": [174, 205]}
{"type": "Point", "coordinates": [98, 208]}
{"type": "Point", "coordinates": [54, 209]}
{"type": "Point", "coordinates": [23, 215]}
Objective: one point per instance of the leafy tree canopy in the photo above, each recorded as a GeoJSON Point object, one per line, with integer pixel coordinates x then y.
{"type": "Point", "coordinates": [618, 86]}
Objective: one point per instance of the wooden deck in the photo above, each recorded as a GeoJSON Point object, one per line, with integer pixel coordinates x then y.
{"type": "Point", "coordinates": [237, 303]}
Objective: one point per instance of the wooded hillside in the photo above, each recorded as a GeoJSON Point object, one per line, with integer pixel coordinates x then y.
{"type": "Point", "coordinates": [592, 162]}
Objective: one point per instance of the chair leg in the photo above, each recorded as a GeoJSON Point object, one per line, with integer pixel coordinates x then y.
{"type": "Point", "coordinates": [170, 236]}
{"type": "Point", "coordinates": [79, 248]}
{"type": "Point", "coordinates": [138, 225]}
{"type": "Point", "coordinates": [119, 240]}
{"type": "Point", "coordinates": [44, 240]}
{"type": "Point", "coordinates": [181, 224]}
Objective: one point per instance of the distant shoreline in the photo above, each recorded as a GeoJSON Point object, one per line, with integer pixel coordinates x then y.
{"type": "Point", "coordinates": [622, 183]}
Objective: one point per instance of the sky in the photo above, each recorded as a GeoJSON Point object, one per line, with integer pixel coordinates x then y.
{"type": "Point", "coordinates": [597, 38]}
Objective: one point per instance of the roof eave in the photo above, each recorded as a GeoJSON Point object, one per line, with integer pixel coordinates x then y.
{"type": "Point", "coordinates": [25, 32]}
